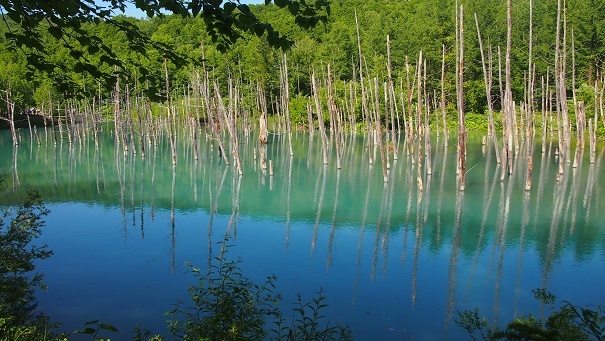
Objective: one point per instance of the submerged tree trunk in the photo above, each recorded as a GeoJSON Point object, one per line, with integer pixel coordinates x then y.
{"type": "Point", "coordinates": [10, 107]}
{"type": "Point", "coordinates": [263, 134]}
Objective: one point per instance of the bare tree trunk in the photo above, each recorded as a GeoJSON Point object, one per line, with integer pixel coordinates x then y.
{"type": "Point", "coordinates": [392, 102]}
{"type": "Point", "coordinates": [320, 120]}
{"type": "Point", "coordinates": [286, 105]}
{"type": "Point", "coordinates": [443, 113]}
{"type": "Point", "coordinates": [487, 78]}
{"type": "Point", "coordinates": [263, 134]}
{"type": "Point", "coordinates": [592, 133]}
{"type": "Point", "coordinates": [231, 122]}
{"type": "Point", "coordinates": [10, 107]}
{"type": "Point", "coordinates": [379, 132]}
{"type": "Point", "coordinates": [171, 114]}
{"type": "Point", "coordinates": [509, 105]}
{"type": "Point", "coordinates": [530, 71]}
{"type": "Point", "coordinates": [560, 84]}
{"type": "Point", "coordinates": [364, 104]}
{"type": "Point", "coordinates": [460, 93]}
{"type": "Point", "coordinates": [310, 120]}
{"type": "Point", "coordinates": [333, 111]}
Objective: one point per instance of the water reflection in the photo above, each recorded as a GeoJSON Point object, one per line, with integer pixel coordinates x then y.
{"type": "Point", "coordinates": [383, 249]}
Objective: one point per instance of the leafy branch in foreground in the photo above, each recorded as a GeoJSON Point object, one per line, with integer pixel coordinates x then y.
{"type": "Point", "coordinates": [67, 21]}
{"type": "Point", "coordinates": [17, 257]}
{"type": "Point", "coordinates": [229, 306]}
{"type": "Point", "coordinates": [568, 323]}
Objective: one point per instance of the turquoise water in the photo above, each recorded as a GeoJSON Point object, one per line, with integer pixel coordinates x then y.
{"type": "Point", "coordinates": [394, 262]}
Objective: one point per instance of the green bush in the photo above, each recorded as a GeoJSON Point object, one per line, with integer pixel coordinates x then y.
{"type": "Point", "coordinates": [229, 306]}
{"type": "Point", "coordinates": [568, 323]}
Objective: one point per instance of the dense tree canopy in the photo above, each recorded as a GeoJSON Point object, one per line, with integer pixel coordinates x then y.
{"type": "Point", "coordinates": [28, 24]}
{"type": "Point", "coordinates": [74, 37]}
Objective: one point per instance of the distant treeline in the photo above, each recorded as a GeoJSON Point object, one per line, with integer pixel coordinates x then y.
{"type": "Point", "coordinates": [412, 25]}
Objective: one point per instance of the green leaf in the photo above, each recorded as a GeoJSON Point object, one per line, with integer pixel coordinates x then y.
{"type": "Point", "coordinates": [195, 8]}
{"type": "Point", "coordinates": [92, 49]}
{"type": "Point", "coordinates": [293, 7]}
{"type": "Point", "coordinates": [55, 32]}
{"type": "Point", "coordinates": [89, 331]}
{"type": "Point", "coordinates": [229, 7]}
{"type": "Point", "coordinates": [78, 68]}
{"type": "Point", "coordinates": [108, 326]}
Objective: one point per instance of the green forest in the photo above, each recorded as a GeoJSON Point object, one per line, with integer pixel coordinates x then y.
{"type": "Point", "coordinates": [412, 26]}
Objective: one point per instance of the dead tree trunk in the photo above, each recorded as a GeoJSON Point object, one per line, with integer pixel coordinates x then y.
{"type": "Point", "coordinates": [320, 120]}
{"type": "Point", "coordinates": [286, 105]}
{"type": "Point", "coordinates": [379, 132]}
{"type": "Point", "coordinates": [334, 119]}
{"type": "Point", "coordinates": [263, 134]}
{"type": "Point", "coordinates": [461, 119]}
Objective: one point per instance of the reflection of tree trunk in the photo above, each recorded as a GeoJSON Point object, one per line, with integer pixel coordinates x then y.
{"type": "Point", "coordinates": [410, 187]}
{"type": "Point", "coordinates": [121, 168]}
{"type": "Point", "coordinates": [333, 230]}
{"type": "Point", "coordinates": [590, 185]}
{"type": "Point", "coordinates": [524, 223]}
{"type": "Point", "coordinates": [501, 238]}
{"type": "Point", "coordinates": [16, 181]}
{"type": "Point", "coordinates": [559, 199]}
{"type": "Point", "coordinates": [387, 230]}
{"type": "Point", "coordinates": [172, 222]}
{"type": "Point", "coordinates": [361, 233]}
{"type": "Point", "coordinates": [487, 200]}
{"type": "Point", "coordinates": [417, 246]}
{"type": "Point", "coordinates": [142, 194]}
{"type": "Point", "coordinates": [544, 175]}
{"type": "Point", "coordinates": [288, 203]}
{"type": "Point", "coordinates": [378, 231]}
{"type": "Point", "coordinates": [528, 172]}
{"type": "Point", "coordinates": [213, 207]}
{"type": "Point", "coordinates": [155, 152]}
{"type": "Point", "coordinates": [263, 156]}
{"type": "Point", "coordinates": [319, 207]}
{"type": "Point", "coordinates": [96, 164]}
{"type": "Point", "coordinates": [235, 209]}
{"type": "Point", "coordinates": [132, 182]}
{"type": "Point", "coordinates": [310, 151]}
{"type": "Point", "coordinates": [572, 200]}
{"type": "Point", "coordinates": [457, 238]}
{"type": "Point", "coordinates": [441, 183]}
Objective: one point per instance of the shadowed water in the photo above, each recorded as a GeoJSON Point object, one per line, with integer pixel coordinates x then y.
{"type": "Point", "coordinates": [395, 262]}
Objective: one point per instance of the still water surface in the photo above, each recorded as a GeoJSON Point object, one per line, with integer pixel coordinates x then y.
{"type": "Point", "coordinates": [394, 262]}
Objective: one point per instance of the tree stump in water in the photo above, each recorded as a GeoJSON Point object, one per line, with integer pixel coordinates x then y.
{"type": "Point", "coordinates": [263, 133]}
